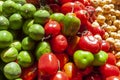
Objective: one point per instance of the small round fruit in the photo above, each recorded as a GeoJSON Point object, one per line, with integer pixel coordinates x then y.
{"type": "Point", "coordinates": [12, 70]}
{"type": "Point", "coordinates": [59, 43]}
{"type": "Point", "coordinates": [100, 58]}
{"type": "Point", "coordinates": [52, 28]}
{"type": "Point", "coordinates": [111, 59]}
{"type": "Point", "coordinates": [83, 59]}
{"type": "Point", "coordinates": [108, 70]}
{"type": "Point", "coordinates": [41, 16]}
{"type": "Point", "coordinates": [47, 64]}
{"type": "Point", "coordinates": [24, 59]}
{"type": "Point", "coordinates": [42, 48]}
{"type": "Point", "coordinates": [27, 10]}
{"type": "Point", "coordinates": [17, 45]}
{"type": "Point", "coordinates": [27, 43]}
{"type": "Point", "coordinates": [9, 55]}
{"type": "Point", "coordinates": [4, 23]}
{"type": "Point", "coordinates": [6, 38]}
{"type": "Point", "coordinates": [36, 32]}
{"type": "Point", "coordinates": [15, 21]}
{"type": "Point", "coordinates": [26, 26]}
{"type": "Point", "coordinates": [9, 7]}
{"type": "Point", "coordinates": [57, 17]}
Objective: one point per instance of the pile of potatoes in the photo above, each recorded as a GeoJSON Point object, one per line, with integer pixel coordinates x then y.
{"type": "Point", "coordinates": [108, 18]}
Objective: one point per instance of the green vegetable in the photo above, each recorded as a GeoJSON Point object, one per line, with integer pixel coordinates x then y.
{"type": "Point", "coordinates": [100, 58]}
{"type": "Point", "coordinates": [36, 32]}
{"type": "Point", "coordinates": [25, 59]}
{"type": "Point", "coordinates": [12, 70]}
{"type": "Point", "coordinates": [57, 16]}
{"type": "Point", "coordinates": [28, 43]}
{"type": "Point", "coordinates": [16, 44]}
{"type": "Point", "coordinates": [27, 10]}
{"type": "Point", "coordinates": [15, 21]}
{"type": "Point", "coordinates": [41, 16]}
{"type": "Point", "coordinates": [9, 55]}
{"type": "Point", "coordinates": [6, 38]}
{"type": "Point", "coordinates": [71, 25]}
{"type": "Point", "coordinates": [83, 59]}
{"type": "Point", "coordinates": [43, 47]}
{"type": "Point", "coordinates": [4, 23]}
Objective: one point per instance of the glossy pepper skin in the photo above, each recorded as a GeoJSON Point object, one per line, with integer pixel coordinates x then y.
{"type": "Point", "coordinates": [70, 24]}
{"type": "Point", "coordinates": [29, 73]}
{"type": "Point", "coordinates": [89, 43]}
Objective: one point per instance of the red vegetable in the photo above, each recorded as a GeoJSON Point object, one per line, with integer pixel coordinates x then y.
{"type": "Point", "coordinates": [83, 16]}
{"type": "Point", "coordinates": [113, 78]}
{"type": "Point", "coordinates": [108, 70]}
{"type": "Point", "coordinates": [89, 43]}
{"type": "Point", "coordinates": [59, 43]}
{"type": "Point", "coordinates": [29, 73]}
{"type": "Point", "coordinates": [111, 59]}
{"type": "Point", "coordinates": [70, 69]}
{"type": "Point", "coordinates": [52, 28]}
{"type": "Point", "coordinates": [105, 46]}
{"type": "Point", "coordinates": [47, 64]}
{"type": "Point", "coordinates": [71, 7]}
{"type": "Point", "coordinates": [64, 1]}
{"type": "Point", "coordinates": [95, 29]}
{"type": "Point", "coordinates": [63, 59]}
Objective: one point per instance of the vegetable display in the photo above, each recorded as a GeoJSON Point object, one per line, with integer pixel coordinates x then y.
{"type": "Point", "coordinates": [59, 40]}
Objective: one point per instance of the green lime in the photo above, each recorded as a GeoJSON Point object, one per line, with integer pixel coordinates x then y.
{"type": "Point", "coordinates": [27, 43]}
{"type": "Point", "coordinates": [10, 7]}
{"type": "Point", "coordinates": [9, 55]}
{"type": "Point", "coordinates": [4, 23]}
{"type": "Point", "coordinates": [26, 26]}
{"type": "Point", "coordinates": [25, 59]}
{"type": "Point", "coordinates": [27, 10]}
{"type": "Point", "coordinates": [15, 21]}
{"type": "Point", "coordinates": [41, 16]}
{"type": "Point", "coordinates": [43, 47]}
{"type": "Point", "coordinates": [36, 32]}
{"type": "Point", "coordinates": [12, 70]}
{"type": "Point", "coordinates": [6, 38]}
{"type": "Point", "coordinates": [16, 44]}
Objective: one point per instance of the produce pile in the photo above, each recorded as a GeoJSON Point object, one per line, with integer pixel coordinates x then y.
{"type": "Point", "coordinates": [59, 40]}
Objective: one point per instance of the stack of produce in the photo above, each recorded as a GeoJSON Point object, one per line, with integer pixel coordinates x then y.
{"type": "Point", "coordinates": [108, 17]}
{"type": "Point", "coordinates": [59, 40]}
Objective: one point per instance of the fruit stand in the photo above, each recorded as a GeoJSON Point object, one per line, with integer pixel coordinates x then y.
{"type": "Point", "coordinates": [59, 40]}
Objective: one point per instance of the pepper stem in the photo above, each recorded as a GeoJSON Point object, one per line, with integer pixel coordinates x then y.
{"type": "Point", "coordinates": [47, 37]}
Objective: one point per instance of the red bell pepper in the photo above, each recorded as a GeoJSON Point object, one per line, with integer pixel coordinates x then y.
{"type": "Point", "coordinates": [89, 43]}
{"type": "Point", "coordinates": [72, 7]}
